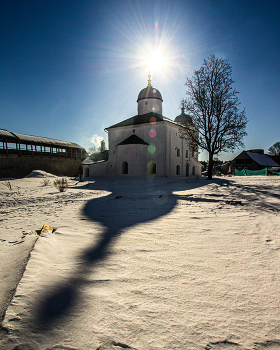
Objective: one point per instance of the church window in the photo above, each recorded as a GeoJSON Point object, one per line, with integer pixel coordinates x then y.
{"type": "Point", "coordinates": [178, 170]}
{"type": "Point", "coordinates": [178, 152]}
{"type": "Point", "coordinates": [124, 167]}
{"type": "Point", "coordinates": [187, 153]}
{"type": "Point", "coordinates": [133, 131]}
{"type": "Point", "coordinates": [153, 168]}
{"type": "Point", "coordinates": [187, 169]}
{"type": "Point", "coordinates": [193, 170]}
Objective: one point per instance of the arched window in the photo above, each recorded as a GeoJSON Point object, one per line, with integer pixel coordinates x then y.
{"type": "Point", "coordinates": [187, 169]}
{"type": "Point", "coordinates": [187, 153]}
{"type": "Point", "coordinates": [124, 167]}
{"type": "Point", "coordinates": [178, 170]}
{"type": "Point", "coordinates": [178, 152]}
{"type": "Point", "coordinates": [193, 170]}
{"type": "Point", "coordinates": [153, 168]}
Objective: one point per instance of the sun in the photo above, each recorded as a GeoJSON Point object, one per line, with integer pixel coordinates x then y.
{"type": "Point", "coordinates": [155, 60]}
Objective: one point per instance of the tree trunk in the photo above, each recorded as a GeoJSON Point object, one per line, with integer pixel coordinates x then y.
{"type": "Point", "coordinates": [210, 166]}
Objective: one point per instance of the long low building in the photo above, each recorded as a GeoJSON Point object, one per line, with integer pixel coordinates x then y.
{"type": "Point", "coordinates": [20, 154]}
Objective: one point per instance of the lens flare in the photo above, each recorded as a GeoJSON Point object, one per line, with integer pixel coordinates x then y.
{"type": "Point", "coordinates": [152, 133]}
{"type": "Point", "coordinates": [152, 148]}
{"type": "Point", "coordinates": [152, 120]}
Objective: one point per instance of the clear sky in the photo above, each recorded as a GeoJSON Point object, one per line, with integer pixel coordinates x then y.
{"type": "Point", "coordinates": [70, 68]}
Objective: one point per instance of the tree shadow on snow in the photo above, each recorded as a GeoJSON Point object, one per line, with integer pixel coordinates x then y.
{"type": "Point", "coordinates": [129, 203]}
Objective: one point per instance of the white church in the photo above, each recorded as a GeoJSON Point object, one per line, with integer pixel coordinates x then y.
{"type": "Point", "coordinates": [148, 143]}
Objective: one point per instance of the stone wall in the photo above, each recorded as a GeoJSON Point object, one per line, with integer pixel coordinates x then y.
{"type": "Point", "coordinates": [16, 166]}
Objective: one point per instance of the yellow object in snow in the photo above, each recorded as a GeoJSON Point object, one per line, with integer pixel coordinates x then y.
{"type": "Point", "coordinates": [46, 229]}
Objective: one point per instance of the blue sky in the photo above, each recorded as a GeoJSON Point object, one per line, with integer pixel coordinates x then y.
{"type": "Point", "coordinates": [68, 69]}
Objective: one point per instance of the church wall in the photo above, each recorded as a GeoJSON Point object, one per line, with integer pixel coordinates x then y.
{"type": "Point", "coordinates": [175, 150]}
{"type": "Point", "coordinates": [98, 169]}
{"type": "Point", "coordinates": [153, 134]}
{"type": "Point", "coordinates": [135, 157]}
{"type": "Point", "coordinates": [167, 149]}
{"type": "Point", "coordinates": [179, 158]}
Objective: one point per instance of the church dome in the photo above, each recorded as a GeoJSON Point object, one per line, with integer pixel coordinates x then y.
{"type": "Point", "coordinates": [149, 100]}
{"type": "Point", "coordinates": [149, 92]}
{"type": "Point", "coordinates": [183, 118]}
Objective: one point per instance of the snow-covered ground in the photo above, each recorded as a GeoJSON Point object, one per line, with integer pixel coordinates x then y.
{"type": "Point", "coordinates": [139, 263]}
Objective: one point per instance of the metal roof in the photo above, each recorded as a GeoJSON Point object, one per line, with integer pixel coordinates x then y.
{"type": "Point", "coordinates": [183, 118]}
{"type": "Point", "coordinates": [148, 118]}
{"type": "Point", "coordinates": [149, 92]}
{"type": "Point", "coordinates": [262, 159]}
{"type": "Point", "coordinates": [139, 119]}
{"type": "Point", "coordinates": [6, 133]}
{"type": "Point", "coordinates": [22, 138]}
{"type": "Point", "coordinates": [133, 140]}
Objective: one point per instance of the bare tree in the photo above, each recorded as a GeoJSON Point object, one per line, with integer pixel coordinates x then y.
{"type": "Point", "coordinates": [274, 150]}
{"type": "Point", "coordinates": [217, 125]}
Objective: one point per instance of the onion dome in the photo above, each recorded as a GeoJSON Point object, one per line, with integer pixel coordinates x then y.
{"type": "Point", "coordinates": [183, 118]}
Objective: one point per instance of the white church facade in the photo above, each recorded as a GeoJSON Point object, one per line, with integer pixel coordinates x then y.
{"type": "Point", "coordinates": [148, 144]}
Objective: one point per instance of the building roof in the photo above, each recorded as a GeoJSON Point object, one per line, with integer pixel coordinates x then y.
{"type": "Point", "coordinates": [16, 137]}
{"type": "Point", "coordinates": [183, 118]}
{"type": "Point", "coordinates": [149, 92]}
{"type": "Point", "coordinates": [87, 161]}
{"type": "Point", "coordinates": [133, 140]}
{"type": "Point", "coordinates": [139, 119]}
{"type": "Point", "coordinates": [262, 159]}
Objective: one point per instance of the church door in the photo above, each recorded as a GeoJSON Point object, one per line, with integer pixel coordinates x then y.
{"type": "Point", "coordinates": [153, 168]}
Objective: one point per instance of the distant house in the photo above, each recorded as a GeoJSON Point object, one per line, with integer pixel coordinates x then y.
{"type": "Point", "coordinates": [252, 160]}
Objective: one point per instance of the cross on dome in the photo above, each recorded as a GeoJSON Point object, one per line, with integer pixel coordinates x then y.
{"type": "Point", "coordinates": [182, 108]}
{"type": "Point", "coordinates": [149, 80]}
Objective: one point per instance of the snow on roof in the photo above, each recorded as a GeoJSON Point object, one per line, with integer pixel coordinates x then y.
{"type": "Point", "coordinates": [262, 159]}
